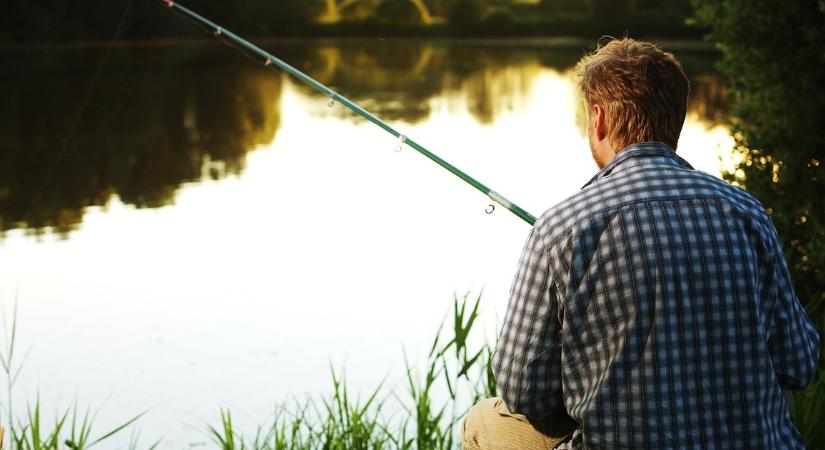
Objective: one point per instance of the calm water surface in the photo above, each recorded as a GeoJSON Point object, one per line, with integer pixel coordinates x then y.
{"type": "Point", "coordinates": [209, 233]}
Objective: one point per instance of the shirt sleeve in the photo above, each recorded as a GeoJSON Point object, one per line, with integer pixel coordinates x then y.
{"type": "Point", "coordinates": [794, 341]}
{"type": "Point", "coordinates": [527, 361]}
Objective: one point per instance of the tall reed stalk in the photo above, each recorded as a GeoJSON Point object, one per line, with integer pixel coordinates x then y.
{"type": "Point", "coordinates": [11, 368]}
{"type": "Point", "coordinates": [71, 430]}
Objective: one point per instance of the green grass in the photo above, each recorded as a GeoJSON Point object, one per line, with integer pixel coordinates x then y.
{"type": "Point", "coordinates": [70, 430]}
{"type": "Point", "coordinates": [421, 416]}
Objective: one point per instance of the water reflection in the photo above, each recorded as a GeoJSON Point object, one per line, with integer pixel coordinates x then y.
{"type": "Point", "coordinates": [155, 119]}
{"type": "Point", "coordinates": [160, 117]}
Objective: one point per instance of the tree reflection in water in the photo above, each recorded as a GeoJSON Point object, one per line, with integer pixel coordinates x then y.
{"type": "Point", "coordinates": [161, 117]}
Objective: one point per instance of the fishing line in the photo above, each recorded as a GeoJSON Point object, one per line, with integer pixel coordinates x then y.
{"type": "Point", "coordinates": [121, 26]}
{"type": "Point", "coordinates": [271, 61]}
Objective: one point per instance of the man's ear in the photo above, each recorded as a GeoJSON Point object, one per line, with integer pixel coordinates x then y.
{"type": "Point", "coordinates": [597, 116]}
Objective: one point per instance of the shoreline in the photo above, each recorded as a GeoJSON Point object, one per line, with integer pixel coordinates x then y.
{"type": "Point", "coordinates": [530, 42]}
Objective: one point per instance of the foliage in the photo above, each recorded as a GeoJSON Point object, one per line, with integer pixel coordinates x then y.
{"type": "Point", "coordinates": [71, 430]}
{"type": "Point", "coordinates": [56, 20]}
{"type": "Point", "coordinates": [95, 20]}
{"type": "Point", "coordinates": [399, 12]}
{"type": "Point", "coordinates": [608, 7]}
{"type": "Point", "coordinates": [562, 5]}
{"type": "Point", "coordinates": [74, 434]}
{"type": "Point", "coordinates": [606, 10]}
{"type": "Point", "coordinates": [809, 409]}
{"type": "Point", "coordinates": [274, 18]}
{"type": "Point", "coordinates": [142, 129]}
{"type": "Point", "coordinates": [439, 7]}
{"type": "Point", "coordinates": [501, 19]}
{"type": "Point", "coordinates": [11, 368]}
{"type": "Point", "coordinates": [465, 16]}
{"type": "Point", "coordinates": [457, 375]}
{"type": "Point", "coordinates": [775, 60]}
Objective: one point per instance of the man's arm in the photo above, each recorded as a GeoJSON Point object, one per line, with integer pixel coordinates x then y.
{"type": "Point", "coordinates": [527, 361]}
{"type": "Point", "coordinates": [794, 341]}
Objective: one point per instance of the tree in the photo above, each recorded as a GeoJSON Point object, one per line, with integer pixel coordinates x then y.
{"type": "Point", "coordinates": [424, 11]}
{"type": "Point", "coordinates": [404, 12]}
{"type": "Point", "coordinates": [143, 133]}
{"type": "Point", "coordinates": [609, 9]}
{"type": "Point", "coordinates": [279, 17]}
{"type": "Point", "coordinates": [562, 5]}
{"type": "Point", "coordinates": [610, 16]}
{"type": "Point", "coordinates": [774, 57]}
{"type": "Point", "coordinates": [398, 12]}
{"type": "Point", "coordinates": [465, 16]}
{"type": "Point", "coordinates": [439, 8]}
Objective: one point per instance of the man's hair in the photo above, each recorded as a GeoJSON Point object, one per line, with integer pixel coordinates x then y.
{"type": "Point", "coordinates": [643, 91]}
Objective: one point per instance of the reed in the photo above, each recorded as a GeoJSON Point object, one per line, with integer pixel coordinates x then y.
{"type": "Point", "coordinates": [422, 416]}
{"type": "Point", "coordinates": [70, 430]}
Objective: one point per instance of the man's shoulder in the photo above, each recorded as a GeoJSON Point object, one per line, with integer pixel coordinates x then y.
{"type": "Point", "coordinates": [642, 185]}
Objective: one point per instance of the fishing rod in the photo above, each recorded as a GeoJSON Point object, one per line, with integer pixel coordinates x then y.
{"type": "Point", "coordinates": [269, 60]}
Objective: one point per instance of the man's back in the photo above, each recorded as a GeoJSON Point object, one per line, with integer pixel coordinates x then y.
{"type": "Point", "coordinates": [655, 307]}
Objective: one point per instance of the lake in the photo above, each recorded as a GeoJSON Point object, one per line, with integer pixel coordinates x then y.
{"type": "Point", "coordinates": [184, 230]}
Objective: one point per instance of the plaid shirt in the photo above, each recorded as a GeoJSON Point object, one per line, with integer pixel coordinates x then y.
{"type": "Point", "coordinates": [655, 308]}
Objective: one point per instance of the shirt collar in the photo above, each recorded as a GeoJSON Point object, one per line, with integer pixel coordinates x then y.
{"type": "Point", "coordinates": [633, 155]}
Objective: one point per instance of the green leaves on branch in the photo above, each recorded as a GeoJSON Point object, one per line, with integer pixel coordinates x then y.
{"type": "Point", "coordinates": [774, 58]}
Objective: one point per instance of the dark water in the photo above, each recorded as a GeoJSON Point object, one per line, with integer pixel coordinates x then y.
{"type": "Point", "coordinates": [73, 132]}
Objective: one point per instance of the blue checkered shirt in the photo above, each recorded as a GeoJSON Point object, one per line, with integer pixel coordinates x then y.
{"type": "Point", "coordinates": [655, 308]}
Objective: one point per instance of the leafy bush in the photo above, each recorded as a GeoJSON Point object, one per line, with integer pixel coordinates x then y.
{"type": "Point", "coordinates": [774, 58]}
{"type": "Point", "coordinates": [465, 17]}
{"type": "Point", "coordinates": [398, 12]}
{"type": "Point", "coordinates": [501, 21]}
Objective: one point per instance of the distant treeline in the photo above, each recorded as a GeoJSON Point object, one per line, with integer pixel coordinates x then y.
{"type": "Point", "coordinates": [93, 20]}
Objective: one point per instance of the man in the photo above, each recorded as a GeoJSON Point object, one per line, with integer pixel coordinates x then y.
{"type": "Point", "coordinates": [654, 308]}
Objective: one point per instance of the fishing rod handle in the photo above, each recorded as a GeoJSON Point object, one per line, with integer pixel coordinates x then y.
{"type": "Point", "coordinates": [512, 207]}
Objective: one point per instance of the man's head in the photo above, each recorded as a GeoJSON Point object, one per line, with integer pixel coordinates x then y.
{"type": "Point", "coordinates": [633, 92]}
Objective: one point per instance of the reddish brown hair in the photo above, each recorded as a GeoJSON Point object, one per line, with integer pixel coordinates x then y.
{"type": "Point", "coordinates": [643, 91]}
